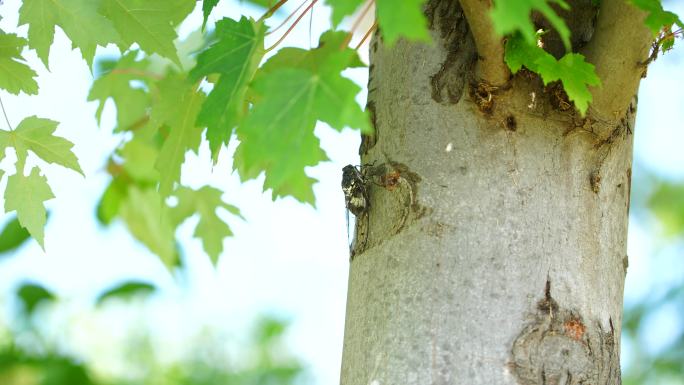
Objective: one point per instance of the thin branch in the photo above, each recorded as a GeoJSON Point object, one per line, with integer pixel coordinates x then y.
{"type": "Point", "coordinates": [5, 113]}
{"type": "Point", "coordinates": [292, 26]}
{"type": "Point", "coordinates": [368, 33]}
{"type": "Point", "coordinates": [620, 43]}
{"type": "Point", "coordinates": [656, 46]}
{"type": "Point", "coordinates": [490, 49]}
{"type": "Point", "coordinates": [356, 24]}
{"type": "Point", "coordinates": [287, 18]}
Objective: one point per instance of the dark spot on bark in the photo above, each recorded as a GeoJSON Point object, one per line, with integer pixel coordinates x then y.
{"type": "Point", "coordinates": [558, 97]}
{"type": "Point", "coordinates": [547, 304]}
{"type": "Point", "coordinates": [625, 262]}
{"type": "Point", "coordinates": [511, 124]}
{"type": "Point", "coordinates": [451, 79]}
{"type": "Point", "coordinates": [483, 96]}
{"type": "Point", "coordinates": [595, 181]}
{"type": "Point", "coordinates": [563, 348]}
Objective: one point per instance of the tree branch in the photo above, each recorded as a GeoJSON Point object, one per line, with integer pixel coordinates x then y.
{"type": "Point", "coordinates": [620, 43]}
{"type": "Point", "coordinates": [490, 49]}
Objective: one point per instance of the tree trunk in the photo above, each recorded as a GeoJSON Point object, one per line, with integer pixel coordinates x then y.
{"type": "Point", "coordinates": [494, 249]}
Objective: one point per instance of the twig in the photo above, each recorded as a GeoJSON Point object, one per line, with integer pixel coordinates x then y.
{"type": "Point", "coordinates": [363, 39]}
{"type": "Point", "coordinates": [288, 18]}
{"type": "Point", "coordinates": [292, 26]}
{"type": "Point", "coordinates": [5, 113]}
{"type": "Point", "coordinates": [272, 10]}
{"type": "Point", "coordinates": [356, 24]}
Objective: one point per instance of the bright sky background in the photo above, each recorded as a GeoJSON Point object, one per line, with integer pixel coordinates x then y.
{"type": "Point", "coordinates": [287, 258]}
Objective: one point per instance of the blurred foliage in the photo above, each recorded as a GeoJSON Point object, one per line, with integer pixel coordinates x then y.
{"type": "Point", "coordinates": [664, 201]}
{"type": "Point", "coordinates": [264, 361]}
{"type": "Point", "coordinates": [12, 235]}
{"type": "Point", "coordinates": [126, 290]}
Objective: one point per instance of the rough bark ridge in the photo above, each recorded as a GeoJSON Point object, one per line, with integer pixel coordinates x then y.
{"type": "Point", "coordinates": [494, 248]}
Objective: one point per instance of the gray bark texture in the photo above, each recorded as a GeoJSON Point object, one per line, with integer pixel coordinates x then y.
{"type": "Point", "coordinates": [494, 249]}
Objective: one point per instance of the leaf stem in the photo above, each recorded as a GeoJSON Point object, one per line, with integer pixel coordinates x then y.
{"type": "Point", "coordinates": [370, 30]}
{"type": "Point", "coordinates": [313, 2]}
{"type": "Point", "coordinates": [288, 18]}
{"type": "Point", "coordinates": [5, 113]}
{"type": "Point", "coordinates": [272, 10]}
{"type": "Point", "coordinates": [356, 24]}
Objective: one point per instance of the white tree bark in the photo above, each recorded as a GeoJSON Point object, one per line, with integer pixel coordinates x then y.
{"type": "Point", "coordinates": [494, 251]}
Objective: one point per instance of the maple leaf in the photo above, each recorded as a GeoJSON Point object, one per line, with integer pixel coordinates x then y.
{"type": "Point", "coordinates": [150, 23]}
{"type": "Point", "coordinates": [514, 16]}
{"type": "Point", "coordinates": [407, 20]}
{"type": "Point", "coordinates": [131, 103]}
{"type": "Point", "coordinates": [145, 214]}
{"type": "Point", "coordinates": [26, 195]}
{"type": "Point", "coordinates": [296, 88]}
{"type": "Point", "coordinates": [177, 107]}
{"type": "Point", "coordinates": [342, 8]}
{"type": "Point", "coordinates": [15, 76]}
{"type": "Point", "coordinates": [574, 73]}
{"type": "Point", "coordinates": [37, 135]}
{"type": "Point", "coordinates": [210, 229]}
{"type": "Point", "coordinates": [657, 18]}
{"type": "Point", "coordinates": [572, 70]}
{"type": "Point", "coordinates": [79, 19]}
{"type": "Point", "coordinates": [235, 56]}
{"type": "Point", "coordinates": [207, 6]}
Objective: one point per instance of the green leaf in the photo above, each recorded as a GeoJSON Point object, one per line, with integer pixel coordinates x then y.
{"type": "Point", "coordinates": [149, 23]}
{"type": "Point", "coordinates": [31, 295]}
{"type": "Point", "coordinates": [79, 20]}
{"type": "Point", "coordinates": [126, 291]}
{"type": "Point", "coordinates": [657, 18]}
{"type": "Point", "coordinates": [37, 135]}
{"type": "Point", "coordinates": [177, 107]}
{"type": "Point", "coordinates": [211, 229]}
{"type": "Point", "coordinates": [146, 218]}
{"type": "Point", "coordinates": [26, 195]}
{"type": "Point", "coordinates": [407, 19]}
{"type": "Point", "coordinates": [131, 103]}
{"type": "Point", "coordinates": [15, 76]}
{"type": "Point", "coordinates": [342, 8]}
{"type": "Point", "coordinates": [12, 235]}
{"type": "Point", "coordinates": [207, 6]}
{"type": "Point", "coordinates": [296, 88]}
{"type": "Point", "coordinates": [514, 16]}
{"type": "Point", "coordinates": [574, 73]}
{"type": "Point", "coordinates": [235, 56]}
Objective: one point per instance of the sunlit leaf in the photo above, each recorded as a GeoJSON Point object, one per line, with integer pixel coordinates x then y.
{"type": "Point", "coordinates": [149, 23]}
{"type": "Point", "coordinates": [211, 229]}
{"type": "Point", "coordinates": [15, 75]}
{"type": "Point", "coordinates": [25, 195]}
{"type": "Point", "coordinates": [79, 19]}
{"type": "Point", "coordinates": [296, 88]}
{"type": "Point", "coordinates": [177, 107]}
{"type": "Point", "coordinates": [235, 55]}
